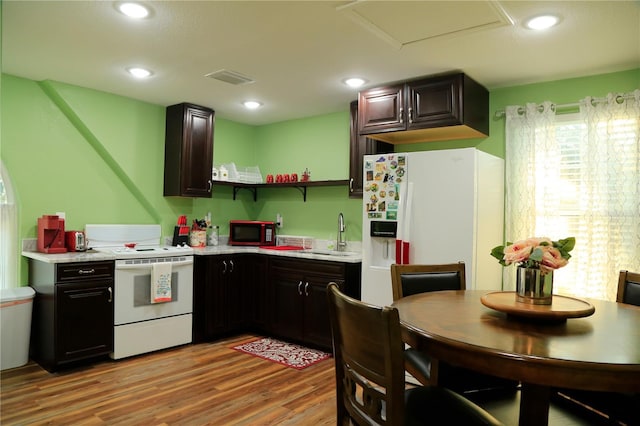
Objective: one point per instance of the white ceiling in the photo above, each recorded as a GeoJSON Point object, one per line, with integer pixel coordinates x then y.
{"type": "Point", "coordinates": [299, 51]}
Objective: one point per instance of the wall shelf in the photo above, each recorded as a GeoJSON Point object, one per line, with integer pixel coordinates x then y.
{"type": "Point", "coordinates": [300, 186]}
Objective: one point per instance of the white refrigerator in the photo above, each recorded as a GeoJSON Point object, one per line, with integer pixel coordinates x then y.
{"type": "Point", "coordinates": [431, 207]}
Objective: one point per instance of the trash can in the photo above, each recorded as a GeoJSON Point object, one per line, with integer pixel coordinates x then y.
{"type": "Point", "coordinates": [15, 326]}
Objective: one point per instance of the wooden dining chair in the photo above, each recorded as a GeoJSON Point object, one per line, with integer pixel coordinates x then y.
{"type": "Point", "coordinates": [629, 288]}
{"type": "Point", "coordinates": [369, 368]}
{"type": "Point", "coordinates": [413, 279]}
{"type": "Point", "coordinates": [407, 280]}
{"type": "Point", "coordinates": [618, 408]}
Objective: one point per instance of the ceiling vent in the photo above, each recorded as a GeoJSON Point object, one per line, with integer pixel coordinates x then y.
{"type": "Point", "coordinates": [230, 77]}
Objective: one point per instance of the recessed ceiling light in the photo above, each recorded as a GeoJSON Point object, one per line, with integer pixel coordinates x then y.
{"type": "Point", "coordinates": [252, 104]}
{"type": "Point", "coordinates": [133, 10]}
{"type": "Point", "coordinates": [541, 22]}
{"type": "Point", "coordinates": [139, 72]}
{"type": "Point", "coordinates": [354, 81]}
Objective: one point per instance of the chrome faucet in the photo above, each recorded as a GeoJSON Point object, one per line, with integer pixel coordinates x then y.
{"type": "Point", "coordinates": [340, 243]}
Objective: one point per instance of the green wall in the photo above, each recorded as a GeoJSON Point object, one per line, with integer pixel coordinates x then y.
{"type": "Point", "coordinates": [99, 157]}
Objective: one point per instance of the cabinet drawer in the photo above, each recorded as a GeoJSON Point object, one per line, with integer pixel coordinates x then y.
{"type": "Point", "coordinates": [310, 266]}
{"type": "Point", "coordinates": [83, 271]}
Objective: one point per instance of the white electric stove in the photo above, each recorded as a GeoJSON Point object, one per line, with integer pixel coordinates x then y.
{"type": "Point", "coordinates": [146, 241]}
{"type": "Point", "coordinates": [140, 325]}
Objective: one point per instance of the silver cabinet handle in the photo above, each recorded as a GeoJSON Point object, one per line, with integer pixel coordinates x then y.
{"type": "Point", "coordinates": [300, 288]}
{"type": "Point", "coordinates": [224, 262]}
{"type": "Point", "coordinates": [86, 271]}
{"type": "Point", "coordinates": [210, 186]}
{"type": "Point", "coordinates": [351, 185]}
{"type": "Point", "coordinates": [306, 289]}
{"type": "Point", "coordinates": [401, 117]}
{"type": "Point", "coordinates": [410, 115]}
{"type": "Point", "coordinates": [110, 294]}
{"type": "Point", "coordinates": [231, 263]}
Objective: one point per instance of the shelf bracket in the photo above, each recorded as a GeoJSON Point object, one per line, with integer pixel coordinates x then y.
{"type": "Point", "coordinates": [253, 189]}
{"type": "Point", "coordinates": [303, 191]}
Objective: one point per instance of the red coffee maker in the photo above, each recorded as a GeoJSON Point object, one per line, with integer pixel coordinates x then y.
{"type": "Point", "coordinates": [51, 234]}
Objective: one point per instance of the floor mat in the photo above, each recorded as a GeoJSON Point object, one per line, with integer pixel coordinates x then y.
{"type": "Point", "coordinates": [289, 354]}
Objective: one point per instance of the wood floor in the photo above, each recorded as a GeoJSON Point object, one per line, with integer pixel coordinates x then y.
{"type": "Point", "coordinates": [191, 385]}
{"type": "Point", "coordinates": [200, 384]}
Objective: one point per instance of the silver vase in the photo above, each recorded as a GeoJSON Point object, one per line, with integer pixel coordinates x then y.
{"type": "Point", "coordinates": [533, 287]}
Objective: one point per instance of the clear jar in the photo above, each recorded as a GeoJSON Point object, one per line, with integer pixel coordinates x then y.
{"type": "Point", "coordinates": [213, 236]}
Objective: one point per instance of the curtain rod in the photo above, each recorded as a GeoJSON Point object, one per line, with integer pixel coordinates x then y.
{"type": "Point", "coordinates": [619, 99]}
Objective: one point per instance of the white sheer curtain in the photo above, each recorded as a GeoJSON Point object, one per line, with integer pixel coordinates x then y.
{"type": "Point", "coordinates": [8, 232]}
{"type": "Point", "coordinates": [577, 175]}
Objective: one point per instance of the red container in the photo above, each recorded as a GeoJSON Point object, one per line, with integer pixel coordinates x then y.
{"type": "Point", "coordinates": [51, 234]}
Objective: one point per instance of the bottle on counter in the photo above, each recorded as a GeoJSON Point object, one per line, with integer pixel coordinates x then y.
{"type": "Point", "coordinates": [213, 236]}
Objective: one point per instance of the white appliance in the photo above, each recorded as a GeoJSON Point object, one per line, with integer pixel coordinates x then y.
{"type": "Point", "coordinates": [141, 326]}
{"type": "Point", "coordinates": [431, 207]}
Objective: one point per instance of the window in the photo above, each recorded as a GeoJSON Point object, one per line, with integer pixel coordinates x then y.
{"type": "Point", "coordinates": [577, 175]}
{"type": "Point", "coordinates": [8, 232]}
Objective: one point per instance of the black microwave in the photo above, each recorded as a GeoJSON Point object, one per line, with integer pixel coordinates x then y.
{"type": "Point", "coordinates": [252, 233]}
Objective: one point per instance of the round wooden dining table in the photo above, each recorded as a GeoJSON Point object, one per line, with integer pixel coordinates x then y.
{"type": "Point", "coordinates": [598, 352]}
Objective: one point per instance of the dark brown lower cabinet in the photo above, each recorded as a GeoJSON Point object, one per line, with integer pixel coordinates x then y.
{"type": "Point", "coordinates": [226, 290]}
{"type": "Point", "coordinates": [278, 296]}
{"type": "Point", "coordinates": [298, 297]}
{"type": "Point", "coordinates": [72, 312]}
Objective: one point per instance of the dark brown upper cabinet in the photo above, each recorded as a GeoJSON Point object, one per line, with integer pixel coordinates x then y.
{"type": "Point", "coordinates": [358, 147]}
{"type": "Point", "coordinates": [188, 152]}
{"type": "Point", "coordinates": [444, 107]}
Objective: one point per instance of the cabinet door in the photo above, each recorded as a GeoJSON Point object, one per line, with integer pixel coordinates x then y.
{"type": "Point", "coordinates": [286, 303]}
{"type": "Point", "coordinates": [381, 110]}
{"type": "Point", "coordinates": [216, 306]}
{"type": "Point", "coordinates": [237, 270]}
{"type": "Point", "coordinates": [317, 326]}
{"type": "Point", "coordinates": [188, 151]}
{"type": "Point", "coordinates": [434, 102]}
{"type": "Point", "coordinates": [84, 320]}
{"type": "Point", "coordinates": [258, 293]}
{"type": "Point", "coordinates": [201, 296]}
{"type": "Point", "coordinates": [358, 147]}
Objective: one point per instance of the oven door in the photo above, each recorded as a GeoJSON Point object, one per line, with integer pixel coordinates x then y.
{"type": "Point", "coordinates": [133, 289]}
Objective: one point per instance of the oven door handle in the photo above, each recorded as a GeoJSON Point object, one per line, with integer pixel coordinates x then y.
{"type": "Point", "coordinates": [149, 265]}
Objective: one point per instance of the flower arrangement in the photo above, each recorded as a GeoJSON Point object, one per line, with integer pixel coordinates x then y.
{"type": "Point", "coordinates": [536, 253]}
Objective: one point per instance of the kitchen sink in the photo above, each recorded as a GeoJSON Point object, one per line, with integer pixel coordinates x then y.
{"type": "Point", "coordinates": [331, 252]}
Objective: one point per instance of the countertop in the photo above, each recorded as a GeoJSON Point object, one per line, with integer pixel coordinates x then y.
{"type": "Point", "coordinates": [92, 256]}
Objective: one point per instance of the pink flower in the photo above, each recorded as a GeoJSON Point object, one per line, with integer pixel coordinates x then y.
{"type": "Point", "coordinates": [537, 253]}
{"type": "Point", "coordinates": [516, 252]}
{"type": "Point", "coordinates": [552, 259]}
{"type": "Point", "coordinates": [520, 250]}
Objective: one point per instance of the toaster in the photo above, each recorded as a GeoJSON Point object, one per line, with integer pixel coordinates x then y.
{"type": "Point", "coordinates": [75, 241]}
